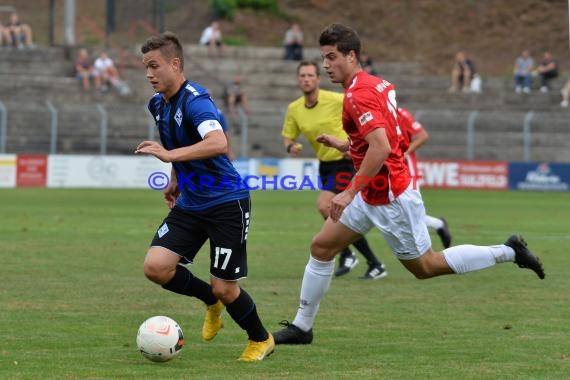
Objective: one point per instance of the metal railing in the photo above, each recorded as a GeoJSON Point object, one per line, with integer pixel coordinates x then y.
{"type": "Point", "coordinates": [524, 135]}
{"type": "Point", "coordinates": [3, 127]}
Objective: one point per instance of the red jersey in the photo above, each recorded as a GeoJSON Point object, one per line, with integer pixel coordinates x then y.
{"type": "Point", "coordinates": [410, 127]}
{"type": "Point", "coordinates": [370, 103]}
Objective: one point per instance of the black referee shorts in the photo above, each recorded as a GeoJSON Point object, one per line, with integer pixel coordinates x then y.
{"type": "Point", "coordinates": [335, 175]}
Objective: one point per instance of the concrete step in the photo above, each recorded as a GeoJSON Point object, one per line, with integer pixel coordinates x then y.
{"type": "Point", "coordinates": [27, 67]}
{"type": "Point", "coordinates": [40, 54]}
{"type": "Point", "coordinates": [54, 88]}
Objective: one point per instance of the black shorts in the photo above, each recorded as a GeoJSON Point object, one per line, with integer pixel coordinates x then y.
{"type": "Point", "coordinates": [335, 175]}
{"type": "Point", "coordinates": [227, 227]}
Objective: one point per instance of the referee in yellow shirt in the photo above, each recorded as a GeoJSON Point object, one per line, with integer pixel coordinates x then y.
{"type": "Point", "coordinates": [317, 112]}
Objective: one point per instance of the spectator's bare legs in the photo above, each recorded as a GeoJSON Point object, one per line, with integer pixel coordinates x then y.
{"type": "Point", "coordinates": [212, 46]}
{"type": "Point", "coordinates": [565, 94]}
{"type": "Point", "coordinates": [15, 36]}
{"type": "Point", "coordinates": [111, 75]}
{"type": "Point", "coordinates": [98, 80]}
{"type": "Point", "coordinates": [467, 78]}
{"type": "Point", "coordinates": [27, 31]}
{"type": "Point", "coordinates": [455, 76]}
{"type": "Point", "coordinates": [6, 36]}
{"type": "Point", "coordinates": [85, 79]}
{"type": "Point", "coordinates": [215, 48]}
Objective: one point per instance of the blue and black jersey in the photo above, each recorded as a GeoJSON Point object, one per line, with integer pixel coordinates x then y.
{"type": "Point", "coordinates": [183, 121]}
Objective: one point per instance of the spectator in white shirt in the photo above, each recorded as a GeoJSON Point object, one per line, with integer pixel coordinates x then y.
{"type": "Point", "coordinates": [212, 38]}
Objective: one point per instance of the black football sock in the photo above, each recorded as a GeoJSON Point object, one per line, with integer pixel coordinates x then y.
{"type": "Point", "coordinates": [185, 283]}
{"type": "Point", "coordinates": [244, 312]}
{"type": "Point", "coordinates": [364, 248]}
{"type": "Point", "coordinates": [346, 252]}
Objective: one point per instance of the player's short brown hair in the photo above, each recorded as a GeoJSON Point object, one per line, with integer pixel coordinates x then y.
{"type": "Point", "coordinates": [343, 37]}
{"type": "Point", "coordinates": [168, 44]}
{"type": "Point", "coordinates": [309, 63]}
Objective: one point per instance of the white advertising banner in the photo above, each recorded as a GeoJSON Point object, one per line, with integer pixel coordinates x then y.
{"type": "Point", "coordinates": [299, 174]}
{"type": "Point", "coordinates": [7, 170]}
{"type": "Point", "coordinates": [106, 171]}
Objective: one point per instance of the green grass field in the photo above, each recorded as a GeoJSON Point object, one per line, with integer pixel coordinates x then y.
{"type": "Point", "coordinates": [73, 294]}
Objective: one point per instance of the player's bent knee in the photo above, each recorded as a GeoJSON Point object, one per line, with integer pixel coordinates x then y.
{"type": "Point", "coordinates": [322, 252]}
{"type": "Point", "coordinates": [156, 273]}
{"type": "Point", "coordinates": [419, 270]}
{"type": "Point", "coordinates": [323, 210]}
{"type": "Point", "coordinates": [225, 292]}
{"type": "Point", "coordinates": [422, 274]}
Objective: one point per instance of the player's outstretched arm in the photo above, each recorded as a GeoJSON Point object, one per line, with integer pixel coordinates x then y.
{"type": "Point", "coordinates": [154, 148]}
{"type": "Point", "coordinates": [333, 142]}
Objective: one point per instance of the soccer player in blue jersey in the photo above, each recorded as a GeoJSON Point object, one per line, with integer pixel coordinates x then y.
{"type": "Point", "coordinates": [194, 142]}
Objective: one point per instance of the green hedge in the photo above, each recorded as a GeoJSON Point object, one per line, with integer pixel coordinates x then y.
{"type": "Point", "coordinates": [227, 8]}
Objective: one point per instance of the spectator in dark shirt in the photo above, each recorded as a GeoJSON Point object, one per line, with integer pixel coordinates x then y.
{"type": "Point", "coordinates": [293, 43]}
{"type": "Point", "coordinates": [548, 69]}
{"type": "Point", "coordinates": [236, 97]}
{"type": "Point", "coordinates": [84, 68]}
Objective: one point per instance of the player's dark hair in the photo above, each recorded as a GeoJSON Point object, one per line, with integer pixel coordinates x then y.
{"type": "Point", "coordinates": [168, 44]}
{"type": "Point", "coordinates": [343, 37]}
{"type": "Point", "coordinates": [309, 63]}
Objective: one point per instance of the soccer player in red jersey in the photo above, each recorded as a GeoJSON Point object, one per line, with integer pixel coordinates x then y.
{"type": "Point", "coordinates": [382, 193]}
{"type": "Point", "coordinates": [416, 136]}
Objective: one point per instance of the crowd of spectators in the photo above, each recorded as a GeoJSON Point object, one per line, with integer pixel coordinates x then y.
{"type": "Point", "coordinates": [102, 72]}
{"type": "Point", "coordinates": [526, 72]}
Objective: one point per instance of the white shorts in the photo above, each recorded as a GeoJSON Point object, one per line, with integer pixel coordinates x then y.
{"type": "Point", "coordinates": [401, 222]}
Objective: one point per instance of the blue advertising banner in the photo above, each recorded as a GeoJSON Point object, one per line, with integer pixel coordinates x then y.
{"type": "Point", "coordinates": [539, 176]}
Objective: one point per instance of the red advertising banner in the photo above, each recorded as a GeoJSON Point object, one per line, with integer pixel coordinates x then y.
{"type": "Point", "coordinates": [446, 174]}
{"type": "Point", "coordinates": [31, 170]}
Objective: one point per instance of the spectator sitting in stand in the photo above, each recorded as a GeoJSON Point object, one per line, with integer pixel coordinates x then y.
{"type": "Point", "coordinates": [212, 38]}
{"type": "Point", "coordinates": [84, 68]}
{"type": "Point", "coordinates": [462, 73]}
{"type": "Point", "coordinates": [236, 97]}
{"type": "Point", "coordinates": [293, 43]}
{"type": "Point", "coordinates": [107, 74]}
{"type": "Point", "coordinates": [19, 34]}
{"type": "Point", "coordinates": [548, 69]}
{"type": "Point", "coordinates": [236, 101]}
{"type": "Point", "coordinates": [523, 70]}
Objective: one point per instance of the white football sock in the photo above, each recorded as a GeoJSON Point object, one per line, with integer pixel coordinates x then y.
{"type": "Point", "coordinates": [434, 223]}
{"type": "Point", "coordinates": [316, 282]}
{"type": "Point", "coordinates": [470, 258]}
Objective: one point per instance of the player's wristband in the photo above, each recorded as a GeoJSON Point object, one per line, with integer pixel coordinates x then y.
{"type": "Point", "coordinates": [289, 147]}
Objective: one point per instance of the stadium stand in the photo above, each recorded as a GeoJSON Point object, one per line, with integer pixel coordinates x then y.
{"type": "Point", "coordinates": [34, 83]}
